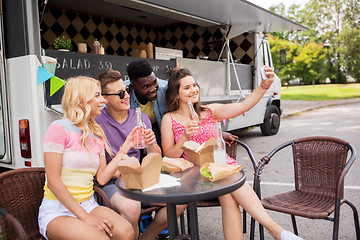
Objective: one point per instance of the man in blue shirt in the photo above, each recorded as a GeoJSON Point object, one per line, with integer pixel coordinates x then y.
{"type": "Point", "coordinates": [148, 93]}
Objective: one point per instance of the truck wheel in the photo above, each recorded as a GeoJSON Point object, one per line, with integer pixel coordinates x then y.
{"type": "Point", "coordinates": [271, 123]}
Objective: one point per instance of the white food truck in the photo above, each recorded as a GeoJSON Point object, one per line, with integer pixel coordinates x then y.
{"type": "Point", "coordinates": [222, 42]}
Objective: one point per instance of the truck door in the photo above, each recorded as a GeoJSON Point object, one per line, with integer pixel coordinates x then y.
{"type": "Point", "coordinates": [266, 54]}
{"type": "Point", "coordinates": [4, 121]}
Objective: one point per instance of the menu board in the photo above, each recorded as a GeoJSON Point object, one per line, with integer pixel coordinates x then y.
{"type": "Point", "coordinates": [70, 64]}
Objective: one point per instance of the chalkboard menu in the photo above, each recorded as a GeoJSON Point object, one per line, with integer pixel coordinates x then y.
{"type": "Point", "coordinates": [70, 64]}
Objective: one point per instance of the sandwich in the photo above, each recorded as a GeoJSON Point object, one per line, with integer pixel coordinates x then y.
{"type": "Point", "coordinates": [216, 171]}
{"type": "Point", "coordinates": [175, 164]}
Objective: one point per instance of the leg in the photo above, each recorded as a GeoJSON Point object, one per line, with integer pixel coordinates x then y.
{"type": "Point", "coordinates": [246, 197]}
{"type": "Point", "coordinates": [75, 229]}
{"type": "Point", "coordinates": [356, 218]}
{"type": "Point", "coordinates": [231, 217]}
{"type": "Point", "coordinates": [122, 229]}
{"type": "Point", "coordinates": [160, 223]}
{"type": "Point", "coordinates": [128, 208]}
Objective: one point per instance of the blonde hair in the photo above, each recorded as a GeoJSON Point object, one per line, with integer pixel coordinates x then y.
{"type": "Point", "coordinates": [78, 92]}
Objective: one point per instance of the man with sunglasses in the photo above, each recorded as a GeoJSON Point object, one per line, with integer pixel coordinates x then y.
{"type": "Point", "coordinates": [117, 121]}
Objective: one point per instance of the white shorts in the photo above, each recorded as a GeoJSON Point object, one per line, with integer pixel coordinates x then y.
{"type": "Point", "coordinates": [50, 209]}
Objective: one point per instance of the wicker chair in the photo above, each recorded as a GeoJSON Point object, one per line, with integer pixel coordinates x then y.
{"type": "Point", "coordinates": [320, 166]}
{"type": "Point", "coordinates": [21, 192]}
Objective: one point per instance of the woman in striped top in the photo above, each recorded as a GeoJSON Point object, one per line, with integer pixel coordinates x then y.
{"type": "Point", "coordinates": [73, 155]}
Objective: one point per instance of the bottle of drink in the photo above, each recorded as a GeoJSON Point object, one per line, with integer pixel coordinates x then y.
{"type": "Point", "coordinates": [193, 114]}
{"type": "Point", "coordinates": [96, 47]}
{"type": "Point", "coordinates": [219, 145]}
{"type": "Point", "coordinates": [139, 133]}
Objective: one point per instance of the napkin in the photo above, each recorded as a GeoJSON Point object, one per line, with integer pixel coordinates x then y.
{"type": "Point", "coordinates": [165, 180]}
{"type": "Point", "coordinates": [217, 171]}
{"type": "Point", "coordinates": [175, 164]}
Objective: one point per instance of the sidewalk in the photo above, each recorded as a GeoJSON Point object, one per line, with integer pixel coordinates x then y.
{"type": "Point", "coordinates": [291, 107]}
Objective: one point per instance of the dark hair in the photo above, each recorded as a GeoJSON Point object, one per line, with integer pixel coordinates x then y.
{"type": "Point", "coordinates": [138, 69]}
{"type": "Point", "coordinates": [172, 91]}
{"type": "Point", "coordinates": [108, 77]}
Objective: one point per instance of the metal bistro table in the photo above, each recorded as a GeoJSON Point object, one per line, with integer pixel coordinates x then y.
{"type": "Point", "coordinates": [194, 187]}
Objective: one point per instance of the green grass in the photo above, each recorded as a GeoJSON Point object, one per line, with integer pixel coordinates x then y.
{"type": "Point", "coordinates": [321, 92]}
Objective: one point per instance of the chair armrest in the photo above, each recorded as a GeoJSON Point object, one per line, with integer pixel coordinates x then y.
{"type": "Point", "coordinates": [266, 159]}
{"type": "Point", "coordinates": [248, 150]}
{"type": "Point", "coordinates": [261, 164]}
{"type": "Point", "coordinates": [349, 163]}
{"type": "Point", "coordinates": [10, 219]}
{"type": "Point", "coordinates": [104, 198]}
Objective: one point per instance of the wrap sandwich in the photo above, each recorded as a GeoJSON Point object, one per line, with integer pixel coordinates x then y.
{"type": "Point", "coordinates": [175, 164]}
{"type": "Point", "coordinates": [217, 171]}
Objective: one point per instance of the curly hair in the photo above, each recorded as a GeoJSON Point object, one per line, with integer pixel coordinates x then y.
{"type": "Point", "coordinates": [138, 69]}
{"type": "Point", "coordinates": [78, 92]}
{"type": "Point", "coordinates": [172, 91]}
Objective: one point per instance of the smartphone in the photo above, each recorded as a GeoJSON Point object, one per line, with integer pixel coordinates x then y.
{"type": "Point", "coordinates": [262, 73]}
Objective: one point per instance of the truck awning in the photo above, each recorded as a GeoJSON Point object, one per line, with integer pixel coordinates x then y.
{"type": "Point", "coordinates": [240, 14]}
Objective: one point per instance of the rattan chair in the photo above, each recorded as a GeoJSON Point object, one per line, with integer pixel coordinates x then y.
{"type": "Point", "coordinates": [320, 166]}
{"type": "Point", "coordinates": [21, 192]}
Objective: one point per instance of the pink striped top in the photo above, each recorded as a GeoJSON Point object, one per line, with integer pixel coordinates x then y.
{"type": "Point", "coordinates": [79, 166]}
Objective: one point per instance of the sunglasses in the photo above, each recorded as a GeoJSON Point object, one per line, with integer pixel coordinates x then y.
{"type": "Point", "coordinates": [121, 94]}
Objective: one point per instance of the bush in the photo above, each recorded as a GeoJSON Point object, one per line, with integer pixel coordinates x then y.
{"type": "Point", "coordinates": [62, 43]}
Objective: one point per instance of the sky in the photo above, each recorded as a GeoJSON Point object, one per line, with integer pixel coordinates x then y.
{"type": "Point", "coordinates": [267, 3]}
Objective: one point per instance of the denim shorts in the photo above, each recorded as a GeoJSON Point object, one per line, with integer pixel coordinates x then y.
{"type": "Point", "coordinates": [50, 209]}
{"type": "Point", "coordinates": [110, 189]}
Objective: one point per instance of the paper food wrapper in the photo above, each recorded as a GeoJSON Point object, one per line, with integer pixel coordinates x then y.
{"type": "Point", "coordinates": [140, 177]}
{"type": "Point", "coordinates": [199, 154]}
{"type": "Point", "coordinates": [175, 164]}
{"type": "Point", "coordinates": [220, 171]}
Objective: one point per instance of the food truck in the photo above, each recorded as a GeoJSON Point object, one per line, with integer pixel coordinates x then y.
{"type": "Point", "coordinates": [223, 43]}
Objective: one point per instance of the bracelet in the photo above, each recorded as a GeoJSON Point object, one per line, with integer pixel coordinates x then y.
{"type": "Point", "coordinates": [263, 86]}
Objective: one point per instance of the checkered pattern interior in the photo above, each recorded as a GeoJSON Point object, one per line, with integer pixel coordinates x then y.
{"type": "Point", "coordinates": [121, 38]}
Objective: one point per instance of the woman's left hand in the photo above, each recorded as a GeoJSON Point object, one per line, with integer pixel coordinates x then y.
{"type": "Point", "coordinates": [102, 224]}
{"type": "Point", "coordinates": [270, 74]}
{"type": "Point", "coordinates": [229, 138]}
{"type": "Point", "coordinates": [149, 137]}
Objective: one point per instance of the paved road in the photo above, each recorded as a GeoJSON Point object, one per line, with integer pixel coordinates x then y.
{"type": "Point", "coordinates": [291, 107]}
{"type": "Point", "coordinates": [340, 120]}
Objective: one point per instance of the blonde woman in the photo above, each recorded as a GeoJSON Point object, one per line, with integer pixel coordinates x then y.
{"type": "Point", "coordinates": [73, 155]}
{"type": "Point", "coordinates": [177, 128]}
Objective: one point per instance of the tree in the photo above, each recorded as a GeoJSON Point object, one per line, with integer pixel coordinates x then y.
{"type": "Point", "coordinates": [310, 62]}
{"type": "Point", "coordinates": [334, 23]}
{"type": "Point", "coordinates": [296, 14]}
{"type": "Point", "coordinates": [276, 44]}
{"type": "Point", "coordinates": [349, 39]}
{"type": "Point", "coordinates": [305, 62]}
{"type": "Point", "coordinates": [350, 47]}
